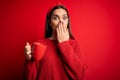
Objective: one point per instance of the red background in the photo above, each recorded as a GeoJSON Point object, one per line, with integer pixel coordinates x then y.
{"type": "Point", "coordinates": [95, 23]}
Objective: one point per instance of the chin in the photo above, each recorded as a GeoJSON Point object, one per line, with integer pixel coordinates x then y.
{"type": "Point", "coordinates": [55, 28]}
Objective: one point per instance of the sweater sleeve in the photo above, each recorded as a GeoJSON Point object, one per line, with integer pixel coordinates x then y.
{"type": "Point", "coordinates": [70, 54]}
{"type": "Point", "coordinates": [30, 70]}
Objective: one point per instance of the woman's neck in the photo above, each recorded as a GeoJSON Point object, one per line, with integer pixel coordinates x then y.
{"type": "Point", "coordinates": [54, 36]}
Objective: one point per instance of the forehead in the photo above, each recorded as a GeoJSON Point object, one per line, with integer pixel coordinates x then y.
{"type": "Point", "coordinates": [59, 12]}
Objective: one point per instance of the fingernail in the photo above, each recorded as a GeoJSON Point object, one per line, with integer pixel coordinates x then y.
{"type": "Point", "coordinates": [27, 43]}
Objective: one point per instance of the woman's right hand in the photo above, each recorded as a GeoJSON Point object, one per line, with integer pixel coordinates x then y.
{"type": "Point", "coordinates": [28, 51]}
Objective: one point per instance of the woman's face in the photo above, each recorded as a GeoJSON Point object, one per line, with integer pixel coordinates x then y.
{"type": "Point", "coordinates": [58, 16]}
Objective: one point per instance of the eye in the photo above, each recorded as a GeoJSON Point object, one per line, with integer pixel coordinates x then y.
{"type": "Point", "coordinates": [55, 17]}
{"type": "Point", "coordinates": [65, 17]}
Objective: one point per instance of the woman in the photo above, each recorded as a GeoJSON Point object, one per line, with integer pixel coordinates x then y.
{"type": "Point", "coordinates": [62, 58]}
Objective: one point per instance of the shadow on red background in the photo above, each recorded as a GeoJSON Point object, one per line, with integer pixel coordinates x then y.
{"type": "Point", "coordinates": [94, 23]}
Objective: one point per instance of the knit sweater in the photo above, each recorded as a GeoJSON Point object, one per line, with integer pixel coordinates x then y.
{"type": "Point", "coordinates": [61, 61]}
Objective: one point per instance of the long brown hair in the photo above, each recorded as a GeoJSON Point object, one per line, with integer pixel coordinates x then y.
{"type": "Point", "coordinates": [48, 28]}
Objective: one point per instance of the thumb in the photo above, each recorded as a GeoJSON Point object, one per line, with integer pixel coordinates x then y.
{"type": "Point", "coordinates": [27, 44]}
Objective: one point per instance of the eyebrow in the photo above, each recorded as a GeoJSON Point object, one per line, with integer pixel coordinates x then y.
{"type": "Point", "coordinates": [57, 15]}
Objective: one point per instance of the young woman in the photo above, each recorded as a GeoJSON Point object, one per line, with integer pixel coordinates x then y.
{"type": "Point", "coordinates": [62, 58]}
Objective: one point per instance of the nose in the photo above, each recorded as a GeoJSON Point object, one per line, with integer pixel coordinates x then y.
{"type": "Point", "coordinates": [60, 20]}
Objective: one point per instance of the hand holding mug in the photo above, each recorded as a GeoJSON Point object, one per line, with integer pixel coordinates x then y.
{"type": "Point", "coordinates": [28, 51]}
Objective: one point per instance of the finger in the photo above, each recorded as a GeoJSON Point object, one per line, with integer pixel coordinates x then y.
{"type": "Point", "coordinates": [61, 27]}
{"type": "Point", "coordinates": [57, 30]}
{"type": "Point", "coordinates": [27, 48]}
{"type": "Point", "coordinates": [28, 56]}
{"type": "Point", "coordinates": [27, 51]}
{"type": "Point", "coordinates": [27, 43]}
{"type": "Point", "coordinates": [67, 30]}
{"type": "Point", "coordinates": [58, 34]}
{"type": "Point", "coordinates": [64, 29]}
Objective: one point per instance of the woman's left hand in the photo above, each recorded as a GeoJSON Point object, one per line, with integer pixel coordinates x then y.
{"type": "Point", "coordinates": [62, 33]}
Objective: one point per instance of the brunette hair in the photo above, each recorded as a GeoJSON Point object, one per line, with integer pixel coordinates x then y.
{"type": "Point", "coordinates": [48, 28]}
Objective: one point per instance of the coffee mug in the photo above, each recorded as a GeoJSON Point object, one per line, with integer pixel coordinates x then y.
{"type": "Point", "coordinates": [38, 50]}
